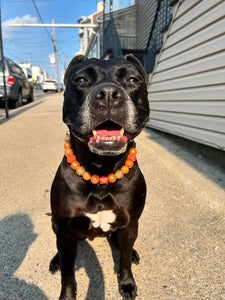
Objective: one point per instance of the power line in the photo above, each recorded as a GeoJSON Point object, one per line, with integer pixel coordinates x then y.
{"type": "Point", "coordinates": [42, 20]}
{"type": "Point", "coordinates": [25, 1]}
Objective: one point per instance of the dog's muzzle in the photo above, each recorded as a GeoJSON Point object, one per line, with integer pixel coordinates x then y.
{"type": "Point", "coordinates": [108, 107]}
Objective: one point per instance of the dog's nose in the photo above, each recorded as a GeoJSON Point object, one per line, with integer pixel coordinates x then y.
{"type": "Point", "coordinates": [108, 95]}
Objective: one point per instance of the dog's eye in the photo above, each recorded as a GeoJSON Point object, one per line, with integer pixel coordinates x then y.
{"type": "Point", "coordinates": [133, 79]}
{"type": "Point", "coordinates": [80, 80]}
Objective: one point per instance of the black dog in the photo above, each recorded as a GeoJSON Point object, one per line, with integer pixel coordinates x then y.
{"type": "Point", "coordinates": [105, 108]}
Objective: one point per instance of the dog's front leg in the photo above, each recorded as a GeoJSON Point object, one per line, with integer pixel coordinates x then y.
{"type": "Point", "coordinates": [126, 238]}
{"type": "Point", "coordinates": [67, 248]}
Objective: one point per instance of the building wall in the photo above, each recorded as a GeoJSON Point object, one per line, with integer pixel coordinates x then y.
{"type": "Point", "coordinates": [187, 85]}
{"type": "Point", "coordinates": [85, 34]}
{"type": "Point", "coordinates": [125, 21]}
{"type": "Point", "coordinates": [145, 17]}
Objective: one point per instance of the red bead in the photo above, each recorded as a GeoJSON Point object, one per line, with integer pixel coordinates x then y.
{"type": "Point", "coordinates": [103, 179]}
{"type": "Point", "coordinates": [71, 158]}
{"type": "Point", "coordinates": [133, 151]}
{"type": "Point", "coordinates": [95, 179]}
{"type": "Point", "coordinates": [129, 163]}
{"type": "Point", "coordinates": [112, 178]}
{"type": "Point", "coordinates": [132, 157]}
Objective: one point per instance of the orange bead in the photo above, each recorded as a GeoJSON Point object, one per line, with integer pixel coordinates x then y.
{"type": "Point", "coordinates": [68, 152]}
{"type": "Point", "coordinates": [112, 178]}
{"type": "Point", "coordinates": [67, 145]}
{"type": "Point", "coordinates": [68, 133]}
{"type": "Point", "coordinates": [95, 179]}
{"type": "Point", "coordinates": [75, 165]}
{"type": "Point", "coordinates": [129, 163]}
{"type": "Point", "coordinates": [132, 151]}
{"type": "Point", "coordinates": [125, 169]}
{"type": "Point", "coordinates": [86, 176]}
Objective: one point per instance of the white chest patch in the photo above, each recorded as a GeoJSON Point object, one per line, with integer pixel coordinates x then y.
{"type": "Point", "coordinates": [102, 219]}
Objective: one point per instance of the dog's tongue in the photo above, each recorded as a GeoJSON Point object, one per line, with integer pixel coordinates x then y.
{"type": "Point", "coordinates": [104, 132]}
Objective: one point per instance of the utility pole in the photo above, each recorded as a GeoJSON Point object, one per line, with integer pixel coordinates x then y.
{"type": "Point", "coordinates": [3, 68]}
{"type": "Point", "coordinates": [56, 54]}
{"type": "Point", "coordinates": [31, 64]}
{"type": "Point", "coordinates": [65, 65]}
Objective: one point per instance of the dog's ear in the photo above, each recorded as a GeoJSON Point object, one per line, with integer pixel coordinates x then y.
{"type": "Point", "coordinates": [132, 59]}
{"type": "Point", "coordinates": [76, 60]}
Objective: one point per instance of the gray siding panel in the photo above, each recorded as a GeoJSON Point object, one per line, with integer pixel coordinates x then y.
{"type": "Point", "coordinates": [187, 86]}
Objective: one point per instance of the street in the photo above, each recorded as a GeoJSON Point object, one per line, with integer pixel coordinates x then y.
{"type": "Point", "coordinates": [181, 239]}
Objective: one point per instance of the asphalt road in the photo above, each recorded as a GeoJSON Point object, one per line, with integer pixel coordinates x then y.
{"type": "Point", "coordinates": [181, 238]}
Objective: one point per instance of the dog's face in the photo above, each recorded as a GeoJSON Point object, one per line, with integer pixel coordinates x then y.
{"type": "Point", "coordinates": [106, 102]}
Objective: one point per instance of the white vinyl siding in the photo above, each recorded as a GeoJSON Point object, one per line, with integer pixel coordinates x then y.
{"type": "Point", "coordinates": [187, 85]}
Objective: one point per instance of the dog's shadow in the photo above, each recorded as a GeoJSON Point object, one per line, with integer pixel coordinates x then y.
{"type": "Point", "coordinates": [16, 236]}
{"type": "Point", "coordinates": [87, 259]}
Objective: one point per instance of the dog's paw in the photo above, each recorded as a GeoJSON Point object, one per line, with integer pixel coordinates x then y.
{"type": "Point", "coordinates": [135, 257]}
{"type": "Point", "coordinates": [128, 291]}
{"type": "Point", "coordinates": [54, 264]}
{"type": "Point", "coordinates": [69, 289]}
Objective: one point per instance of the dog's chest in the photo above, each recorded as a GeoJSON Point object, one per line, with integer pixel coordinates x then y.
{"type": "Point", "coordinates": [102, 219]}
{"type": "Point", "coordinates": [103, 215]}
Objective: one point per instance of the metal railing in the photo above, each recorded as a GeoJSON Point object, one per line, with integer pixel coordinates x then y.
{"type": "Point", "coordinates": [162, 20]}
{"type": "Point", "coordinates": [111, 42]}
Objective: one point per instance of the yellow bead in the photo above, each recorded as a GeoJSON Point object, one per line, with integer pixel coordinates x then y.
{"type": "Point", "coordinates": [80, 171]}
{"type": "Point", "coordinates": [67, 139]}
{"type": "Point", "coordinates": [119, 174]}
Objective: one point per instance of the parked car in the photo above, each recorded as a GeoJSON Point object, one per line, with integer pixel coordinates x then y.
{"type": "Point", "coordinates": [49, 85]}
{"type": "Point", "coordinates": [18, 87]}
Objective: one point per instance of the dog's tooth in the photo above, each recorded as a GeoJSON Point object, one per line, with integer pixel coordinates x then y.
{"type": "Point", "coordinates": [94, 132]}
{"type": "Point", "coordinates": [118, 138]}
{"type": "Point", "coordinates": [122, 131]}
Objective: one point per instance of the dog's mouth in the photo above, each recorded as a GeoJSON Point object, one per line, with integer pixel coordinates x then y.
{"type": "Point", "coordinates": [108, 138]}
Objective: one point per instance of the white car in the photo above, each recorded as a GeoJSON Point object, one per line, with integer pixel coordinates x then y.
{"type": "Point", "coordinates": [49, 85]}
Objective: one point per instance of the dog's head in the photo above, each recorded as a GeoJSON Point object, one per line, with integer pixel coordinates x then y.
{"type": "Point", "coordinates": [105, 102]}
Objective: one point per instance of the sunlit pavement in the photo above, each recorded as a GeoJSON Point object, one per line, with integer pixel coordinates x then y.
{"type": "Point", "coordinates": [181, 232]}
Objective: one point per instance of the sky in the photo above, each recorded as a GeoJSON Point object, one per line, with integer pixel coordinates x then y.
{"type": "Point", "coordinates": [23, 44]}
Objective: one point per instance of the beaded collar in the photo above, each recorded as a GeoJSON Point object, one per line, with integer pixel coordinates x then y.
{"type": "Point", "coordinates": [95, 179]}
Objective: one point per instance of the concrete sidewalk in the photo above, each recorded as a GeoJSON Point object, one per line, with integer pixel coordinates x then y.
{"type": "Point", "coordinates": [182, 230]}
